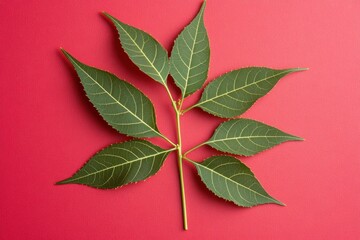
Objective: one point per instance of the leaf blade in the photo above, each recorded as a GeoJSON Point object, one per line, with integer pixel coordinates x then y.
{"type": "Point", "coordinates": [233, 93]}
{"type": "Point", "coordinates": [120, 164]}
{"type": "Point", "coordinates": [190, 56]}
{"type": "Point", "coordinates": [247, 137]}
{"type": "Point", "coordinates": [143, 50]}
{"type": "Point", "coordinates": [110, 96]}
{"type": "Point", "coordinates": [231, 180]}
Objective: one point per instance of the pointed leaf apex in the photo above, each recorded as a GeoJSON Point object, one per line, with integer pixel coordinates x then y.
{"type": "Point", "coordinates": [298, 138]}
{"type": "Point", "coordinates": [111, 18]}
{"type": "Point", "coordinates": [106, 14]}
{"type": "Point", "coordinates": [279, 203]}
{"type": "Point", "coordinates": [203, 7]}
{"type": "Point", "coordinates": [298, 69]}
{"type": "Point", "coordinates": [295, 138]}
{"type": "Point", "coordinates": [66, 53]}
{"type": "Point", "coordinates": [62, 182]}
{"type": "Point", "coordinates": [69, 56]}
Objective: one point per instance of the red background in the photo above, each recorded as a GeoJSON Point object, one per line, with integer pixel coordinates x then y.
{"type": "Point", "coordinates": [49, 129]}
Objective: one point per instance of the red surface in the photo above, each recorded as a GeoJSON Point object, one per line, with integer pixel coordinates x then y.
{"type": "Point", "coordinates": [49, 129]}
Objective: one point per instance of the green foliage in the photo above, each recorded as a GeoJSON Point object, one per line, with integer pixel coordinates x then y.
{"type": "Point", "coordinates": [230, 179]}
{"type": "Point", "coordinates": [130, 112]}
{"type": "Point", "coordinates": [120, 164]}
{"type": "Point", "coordinates": [247, 137]}
{"type": "Point", "coordinates": [235, 92]}
{"type": "Point", "coordinates": [122, 105]}
{"type": "Point", "coordinates": [190, 56]}
{"type": "Point", "coordinates": [143, 50]}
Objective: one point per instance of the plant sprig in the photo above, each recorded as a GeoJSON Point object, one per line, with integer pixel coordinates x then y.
{"type": "Point", "coordinates": [130, 112]}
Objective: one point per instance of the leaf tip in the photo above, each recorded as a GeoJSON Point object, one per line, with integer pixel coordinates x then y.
{"type": "Point", "coordinates": [299, 69]}
{"type": "Point", "coordinates": [295, 138]}
{"type": "Point", "coordinates": [62, 182]}
{"type": "Point", "coordinates": [108, 16]}
{"type": "Point", "coordinates": [277, 202]}
{"type": "Point", "coordinates": [203, 5]}
{"type": "Point", "coordinates": [64, 52]}
{"type": "Point", "coordinates": [69, 56]}
{"type": "Point", "coordinates": [102, 13]}
{"type": "Point", "coordinates": [280, 203]}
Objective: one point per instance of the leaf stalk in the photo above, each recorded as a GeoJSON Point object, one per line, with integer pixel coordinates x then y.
{"type": "Point", "coordinates": [180, 163]}
{"type": "Point", "coordinates": [194, 148]}
{"type": "Point", "coordinates": [168, 140]}
{"type": "Point", "coordinates": [189, 108]}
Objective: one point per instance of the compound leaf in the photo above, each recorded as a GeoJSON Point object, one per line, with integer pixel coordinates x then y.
{"type": "Point", "coordinates": [120, 164]}
{"type": "Point", "coordinates": [122, 105]}
{"type": "Point", "coordinates": [247, 137]}
{"type": "Point", "coordinates": [143, 50]}
{"type": "Point", "coordinates": [233, 93]}
{"type": "Point", "coordinates": [189, 62]}
{"type": "Point", "coordinates": [230, 179]}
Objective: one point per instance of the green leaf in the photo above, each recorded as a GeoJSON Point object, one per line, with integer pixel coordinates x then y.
{"type": "Point", "coordinates": [122, 105]}
{"type": "Point", "coordinates": [247, 137]}
{"type": "Point", "coordinates": [120, 164]}
{"type": "Point", "coordinates": [143, 50]}
{"type": "Point", "coordinates": [233, 93]}
{"type": "Point", "coordinates": [230, 179]}
{"type": "Point", "coordinates": [189, 62]}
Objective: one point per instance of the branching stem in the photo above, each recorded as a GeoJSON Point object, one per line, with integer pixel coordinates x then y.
{"type": "Point", "coordinates": [180, 163]}
{"type": "Point", "coordinates": [168, 140]}
{"type": "Point", "coordinates": [178, 146]}
{"type": "Point", "coordinates": [169, 94]}
{"type": "Point", "coordinates": [189, 108]}
{"type": "Point", "coordinates": [189, 160]}
{"type": "Point", "coordinates": [194, 148]}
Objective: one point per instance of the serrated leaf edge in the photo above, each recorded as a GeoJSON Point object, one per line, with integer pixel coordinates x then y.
{"type": "Point", "coordinates": [295, 138]}
{"type": "Point", "coordinates": [198, 104]}
{"type": "Point", "coordinates": [167, 151]}
{"type": "Point", "coordinates": [202, 10]}
{"type": "Point", "coordinates": [156, 130]}
{"type": "Point", "coordinates": [115, 22]}
{"type": "Point", "coordinates": [273, 200]}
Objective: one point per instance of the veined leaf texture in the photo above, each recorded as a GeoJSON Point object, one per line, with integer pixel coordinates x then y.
{"type": "Point", "coordinates": [130, 112]}
{"type": "Point", "coordinates": [190, 56]}
{"type": "Point", "coordinates": [247, 137]}
{"type": "Point", "coordinates": [122, 105]}
{"type": "Point", "coordinates": [120, 164]}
